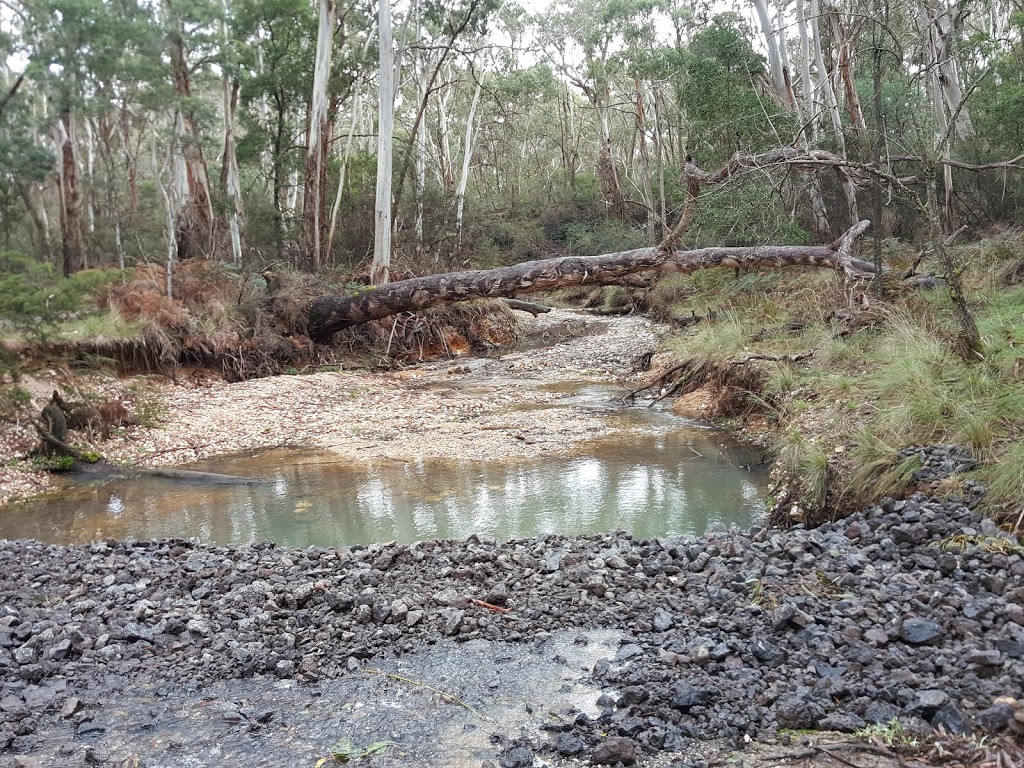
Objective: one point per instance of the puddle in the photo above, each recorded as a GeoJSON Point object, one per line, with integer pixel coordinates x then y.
{"type": "Point", "coordinates": [437, 705]}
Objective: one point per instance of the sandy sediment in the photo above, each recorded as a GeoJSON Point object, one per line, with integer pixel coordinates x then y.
{"type": "Point", "coordinates": [473, 409]}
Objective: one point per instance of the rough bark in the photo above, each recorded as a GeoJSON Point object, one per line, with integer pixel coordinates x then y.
{"type": "Point", "coordinates": [330, 314]}
{"type": "Point", "coordinates": [832, 105]}
{"type": "Point", "coordinates": [194, 226]}
{"type": "Point", "coordinates": [843, 42]}
{"type": "Point", "coordinates": [73, 245]}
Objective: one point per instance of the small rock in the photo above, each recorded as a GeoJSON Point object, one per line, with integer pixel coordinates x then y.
{"type": "Point", "coordinates": [663, 620]}
{"type": "Point", "coordinates": [517, 757]}
{"type": "Point", "coordinates": [568, 745]}
{"type": "Point", "coordinates": [628, 651]}
{"type": "Point", "coordinates": [927, 702]}
{"type": "Point", "coordinates": [920, 631]}
{"type": "Point", "coordinates": [995, 718]}
{"type": "Point", "coordinates": [614, 749]}
{"type": "Point", "coordinates": [798, 712]}
{"type": "Point", "coordinates": [952, 720]}
{"type": "Point", "coordinates": [686, 696]}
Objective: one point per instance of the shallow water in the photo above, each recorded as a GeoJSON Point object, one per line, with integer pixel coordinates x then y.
{"type": "Point", "coordinates": [674, 478]}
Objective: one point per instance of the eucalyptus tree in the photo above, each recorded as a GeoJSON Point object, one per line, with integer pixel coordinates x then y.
{"type": "Point", "coordinates": [380, 268]}
{"type": "Point", "coordinates": [86, 55]}
{"type": "Point", "coordinates": [596, 31]}
{"type": "Point", "coordinates": [192, 40]}
{"type": "Point", "coordinates": [338, 61]}
{"type": "Point", "coordinates": [275, 61]}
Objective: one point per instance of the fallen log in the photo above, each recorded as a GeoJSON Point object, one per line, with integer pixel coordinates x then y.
{"type": "Point", "coordinates": [106, 470]}
{"type": "Point", "coordinates": [527, 306]}
{"type": "Point", "coordinates": [329, 314]}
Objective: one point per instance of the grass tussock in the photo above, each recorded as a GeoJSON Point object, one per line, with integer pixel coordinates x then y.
{"type": "Point", "coordinates": [884, 375]}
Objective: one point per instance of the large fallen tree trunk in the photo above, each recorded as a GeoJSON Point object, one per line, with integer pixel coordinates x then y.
{"type": "Point", "coordinates": [329, 314]}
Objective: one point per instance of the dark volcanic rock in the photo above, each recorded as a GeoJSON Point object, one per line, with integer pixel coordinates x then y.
{"type": "Point", "coordinates": [686, 696]}
{"type": "Point", "coordinates": [612, 750]}
{"type": "Point", "coordinates": [516, 757]}
{"type": "Point", "coordinates": [567, 744]}
{"type": "Point", "coordinates": [920, 631]}
{"type": "Point", "coordinates": [863, 620]}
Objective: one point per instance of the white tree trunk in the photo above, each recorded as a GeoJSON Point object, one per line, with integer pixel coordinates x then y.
{"type": "Point", "coordinates": [232, 181]}
{"type": "Point", "coordinates": [380, 268]}
{"type": "Point", "coordinates": [833, 107]}
{"type": "Point", "coordinates": [772, 44]}
{"type": "Point", "coordinates": [90, 166]}
{"type": "Point", "coordinates": [806, 84]}
{"type": "Point", "coordinates": [787, 74]}
{"type": "Point", "coordinates": [118, 245]}
{"type": "Point", "coordinates": [444, 144]}
{"type": "Point", "coordinates": [937, 26]}
{"type": "Point", "coordinates": [467, 154]}
{"type": "Point", "coordinates": [171, 207]}
{"type": "Point", "coordinates": [314, 214]}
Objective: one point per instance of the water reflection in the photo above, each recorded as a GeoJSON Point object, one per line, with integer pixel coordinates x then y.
{"type": "Point", "coordinates": [677, 483]}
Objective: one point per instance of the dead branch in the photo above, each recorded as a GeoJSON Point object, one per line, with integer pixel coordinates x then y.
{"type": "Point", "coordinates": [52, 441]}
{"type": "Point", "coordinates": [526, 306]}
{"type": "Point", "coordinates": [794, 358]}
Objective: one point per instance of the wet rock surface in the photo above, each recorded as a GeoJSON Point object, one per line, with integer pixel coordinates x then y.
{"type": "Point", "coordinates": [609, 649]}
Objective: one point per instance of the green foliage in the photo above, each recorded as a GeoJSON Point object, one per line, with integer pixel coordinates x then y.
{"type": "Point", "coordinates": [13, 400]}
{"type": "Point", "coordinates": [34, 296]}
{"type": "Point", "coordinates": [344, 751]}
{"type": "Point", "coordinates": [804, 461]}
{"type": "Point", "coordinates": [892, 734]}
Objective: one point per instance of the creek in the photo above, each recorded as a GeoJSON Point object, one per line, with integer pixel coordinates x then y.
{"type": "Point", "coordinates": [662, 475]}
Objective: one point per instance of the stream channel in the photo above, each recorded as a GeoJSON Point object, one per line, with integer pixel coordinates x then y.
{"type": "Point", "coordinates": [661, 475]}
{"type": "Point", "coordinates": [657, 474]}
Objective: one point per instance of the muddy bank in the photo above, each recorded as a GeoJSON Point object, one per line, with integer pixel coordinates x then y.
{"type": "Point", "coordinates": [168, 651]}
{"type": "Point", "coordinates": [470, 409]}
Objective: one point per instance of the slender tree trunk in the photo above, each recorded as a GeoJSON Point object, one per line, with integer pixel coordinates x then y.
{"type": "Point", "coordinates": [90, 178]}
{"type": "Point", "coordinates": [445, 165]}
{"type": "Point", "coordinates": [231, 186]}
{"type": "Point", "coordinates": [833, 108]}
{"type": "Point", "coordinates": [130, 163]}
{"type": "Point", "coordinates": [938, 26]}
{"type": "Point", "coordinates": [844, 46]}
{"type": "Point", "coordinates": [791, 98]}
{"type": "Point", "coordinates": [118, 245]}
{"type": "Point", "coordinates": [347, 154]}
{"type": "Point", "coordinates": [876, 149]}
{"type": "Point", "coordinates": [277, 163]}
{"type": "Point", "coordinates": [645, 158]}
{"type": "Point", "coordinates": [660, 154]}
{"type": "Point", "coordinates": [170, 206]}
{"type": "Point", "coordinates": [380, 268]}
{"type": "Point", "coordinates": [314, 214]}
{"type": "Point", "coordinates": [72, 243]}
{"type": "Point", "coordinates": [467, 155]}
{"type": "Point", "coordinates": [230, 183]}
{"type": "Point", "coordinates": [194, 226]}
{"type": "Point", "coordinates": [774, 58]}
{"type": "Point", "coordinates": [31, 195]}
{"type": "Point", "coordinates": [807, 85]}
{"type": "Point", "coordinates": [607, 173]}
